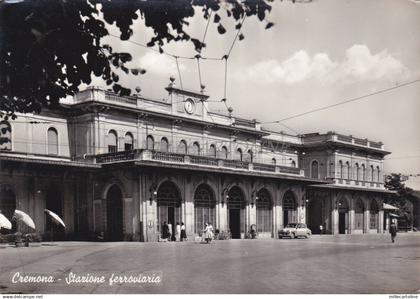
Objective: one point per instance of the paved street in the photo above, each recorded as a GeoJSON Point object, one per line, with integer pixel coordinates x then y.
{"type": "Point", "coordinates": [322, 264]}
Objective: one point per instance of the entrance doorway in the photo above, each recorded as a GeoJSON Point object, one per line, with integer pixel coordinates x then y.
{"type": "Point", "coordinates": [204, 208]}
{"type": "Point", "coordinates": [341, 223]}
{"type": "Point", "coordinates": [343, 216]}
{"type": "Point", "coordinates": [171, 215]}
{"type": "Point", "coordinates": [235, 223]}
{"type": "Point", "coordinates": [289, 208]}
{"type": "Point", "coordinates": [114, 212]}
{"type": "Point", "coordinates": [314, 215]}
{"type": "Point", "coordinates": [169, 205]}
{"type": "Point", "coordinates": [236, 205]}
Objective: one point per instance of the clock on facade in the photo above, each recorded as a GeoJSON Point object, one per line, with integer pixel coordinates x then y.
{"type": "Point", "coordinates": [189, 106]}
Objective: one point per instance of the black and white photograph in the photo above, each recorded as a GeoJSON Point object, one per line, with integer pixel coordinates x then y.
{"type": "Point", "coordinates": [210, 147]}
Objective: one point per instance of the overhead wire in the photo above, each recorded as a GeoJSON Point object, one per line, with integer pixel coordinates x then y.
{"type": "Point", "coordinates": [344, 102]}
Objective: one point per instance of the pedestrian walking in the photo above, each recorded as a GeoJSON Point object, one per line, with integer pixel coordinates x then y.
{"type": "Point", "coordinates": [393, 230]}
{"type": "Point", "coordinates": [178, 232]}
{"type": "Point", "coordinates": [183, 232]}
{"type": "Point", "coordinates": [208, 233]}
{"type": "Point", "coordinates": [169, 231]}
{"type": "Point", "coordinates": [165, 231]}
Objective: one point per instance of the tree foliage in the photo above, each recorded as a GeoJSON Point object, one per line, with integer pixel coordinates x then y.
{"type": "Point", "coordinates": [404, 197]}
{"type": "Point", "coordinates": [48, 48]}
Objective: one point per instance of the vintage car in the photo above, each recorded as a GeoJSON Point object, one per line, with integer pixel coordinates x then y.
{"type": "Point", "coordinates": [294, 230]}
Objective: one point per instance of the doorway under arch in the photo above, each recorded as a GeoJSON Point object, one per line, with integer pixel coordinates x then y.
{"type": "Point", "coordinates": [359, 210]}
{"type": "Point", "coordinates": [114, 213]}
{"type": "Point", "coordinates": [236, 217]}
{"type": "Point", "coordinates": [204, 207]}
{"type": "Point", "coordinates": [168, 204]}
{"type": "Point", "coordinates": [289, 208]}
{"type": "Point", "coordinates": [343, 216]}
{"type": "Point", "coordinates": [264, 205]}
{"type": "Point", "coordinates": [314, 215]}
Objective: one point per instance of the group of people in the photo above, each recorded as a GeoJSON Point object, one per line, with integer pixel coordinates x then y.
{"type": "Point", "coordinates": [174, 234]}
{"type": "Point", "coordinates": [178, 233]}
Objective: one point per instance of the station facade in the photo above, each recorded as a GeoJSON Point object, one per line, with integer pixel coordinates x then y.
{"type": "Point", "coordinates": [118, 167]}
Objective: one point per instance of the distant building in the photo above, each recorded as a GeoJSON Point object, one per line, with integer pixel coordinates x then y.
{"type": "Point", "coordinates": [121, 166]}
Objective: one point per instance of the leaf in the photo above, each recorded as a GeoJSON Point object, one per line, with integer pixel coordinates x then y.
{"type": "Point", "coordinates": [216, 18]}
{"type": "Point", "coordinates": [221, 29]}
{"type": "Point", "coordinates": [116, 88]}
{"type": "Point", "coordinates": [269, 25]}
{"type": "Point", "coordinates": [241, 36]}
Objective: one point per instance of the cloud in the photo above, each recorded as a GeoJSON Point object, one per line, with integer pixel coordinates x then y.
{"type": "Point", "coordinates": [159, 64]}
{"type": "Point", "coordinates": [359, 64]}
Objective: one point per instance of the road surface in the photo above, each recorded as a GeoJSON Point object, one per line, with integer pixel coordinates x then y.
{"type": "Point", "coordinates": [321, 264]}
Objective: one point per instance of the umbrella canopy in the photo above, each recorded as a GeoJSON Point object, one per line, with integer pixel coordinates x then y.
{"type": "Point", "coordinates": [389, 207]}
{"type": "Point", "coordinates": [4, 222]}
{"type": "Point", "coordinates": [55, 217]}
{"type": "Point", "coordinates": [22, 216]}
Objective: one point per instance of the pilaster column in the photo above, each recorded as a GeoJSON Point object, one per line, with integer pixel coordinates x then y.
{"type": "Point", "coordinates": [128, 225]}
{"type": "Point", "coordinates": [351, 221]}
{"type": "Point", "coordinates": [334, 221]}
{"type": "Point", "coordinates": [381, 221]}
{"type": "Point", "coordinates": [252, 216]}
{"type": "Point", "coordinates": [366, 221]}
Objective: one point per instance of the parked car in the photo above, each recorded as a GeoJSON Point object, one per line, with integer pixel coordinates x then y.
{"type": "Point", "coordinates": [295, 230]}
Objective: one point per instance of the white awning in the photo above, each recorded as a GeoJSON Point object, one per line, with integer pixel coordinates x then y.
{"type": "Point", "coordinates": [389, 207]}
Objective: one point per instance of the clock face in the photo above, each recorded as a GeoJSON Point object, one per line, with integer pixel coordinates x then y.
{"type": "Point", "coordinates": [189, 106]}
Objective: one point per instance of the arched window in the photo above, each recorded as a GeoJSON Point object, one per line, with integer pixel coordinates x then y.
{"type": "Point", "coordinates": [357, 171]}
{"type": "Point", "coordinates": [164, 145]}
{"type": "Point", "coordinates": [378, 171]}
{"type": "Point", "coordinates": [204, 207]}
{"type": "Point", "coordinates": [150, 143]}
{"type": "Point", "coordinates": [373, 215]}
{"type": "Point", "coordinates": [250, 156]}
{"type": "Point", "coordinates": [182, 147]}
{"type": "Point", "coordinates": [314, 169]}
{"type": "Point", "coordinates": [358, 215]}
{"type": "Point", "coordinates": [340, 169]}
{"type": "Point", "coordinates": [372, 173]}
{"type": "Point", "coordinates": [224, 152]}
{"type": "Point", "coordinates": [212, 151]}
{"type": "Point", "coordinates": [52, 141]}
{"type": "Point", "coordinates": [273, 161]}
{"type": "Point", "coordinates": [264, 211]}
{"type": "Point", "coordinates": [112, 141]}
{"type": "Point", "coordinates": [239, 153]}
{"type": "Point", "coordinates": [363, 172]}
{"type": "Point", "coordinates": [128, 142]}
{"type": "Point", "coordinates": [348, 168]}
{"type": "Point", "coordinates": [196, 148]}
{"type": "Point", "coordinates": [293, 164]}
{"type": "Point", "coordinates": [5, 136]}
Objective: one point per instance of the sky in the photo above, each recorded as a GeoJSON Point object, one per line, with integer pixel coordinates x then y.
{"type": "Point", "coordinates": [317, 54]}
